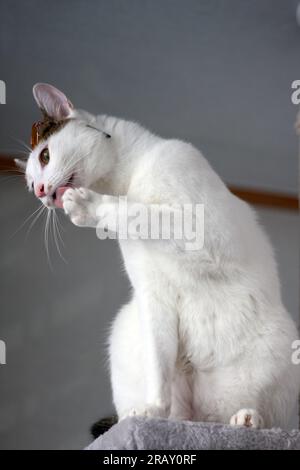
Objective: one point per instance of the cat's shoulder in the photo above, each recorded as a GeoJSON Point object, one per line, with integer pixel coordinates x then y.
{"type": "Point", "coordinates": [169, 154]}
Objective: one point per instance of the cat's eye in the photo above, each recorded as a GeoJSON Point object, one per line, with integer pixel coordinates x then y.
{"type": "Point", "coordinates": [44, 156]}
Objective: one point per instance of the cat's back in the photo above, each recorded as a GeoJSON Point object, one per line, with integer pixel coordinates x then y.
{"type": "Point", "coordinates": [173, 171]}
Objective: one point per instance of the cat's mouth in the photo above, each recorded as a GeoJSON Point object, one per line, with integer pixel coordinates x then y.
{"type": "Point", "coordinates": [60, 191]}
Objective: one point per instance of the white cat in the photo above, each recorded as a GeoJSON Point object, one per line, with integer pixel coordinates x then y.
{"type": "Point", "coordinates": [205, 335]}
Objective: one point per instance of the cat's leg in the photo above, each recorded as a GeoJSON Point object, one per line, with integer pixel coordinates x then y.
{"type": "Point", "coordinates": [181, 407]}
{"type": "Point", "coordinates": [228, 395]}
{"type": "Point", "coordinates": [143, 351]}
{"type": "Point", "coordinates": [160, 341]}
{"type": "Point", "coordinates": [247, 393]}
{"type": "Point", "coordinates": [127, 363]}
{"type": "Point", "coordinates": [130, 372]}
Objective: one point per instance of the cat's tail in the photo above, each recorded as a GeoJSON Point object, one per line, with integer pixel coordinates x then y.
{"type": "Point", "coordinates": [103, 425]}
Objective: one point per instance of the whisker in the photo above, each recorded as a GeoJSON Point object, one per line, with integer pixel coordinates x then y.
{"type": "Point", "coordinates": [39, 213]}
{"type": "Point", "coordinates": [10, 178]}
{"type": "Point", "coordinates": [58, 225]}
{"type": "Point", "coordinates": [14, 170]}
{"type": "Point", "coordinates": [67, 170]}
{"type": "Point", "coordinates": [14, 151]}
{"type": "Point", "coordinates": [74, 161]}
{"type": "Point", "coordinates": [19, 141]}
{"type": "Point", "coordinates": [56, 238]}
{"type": "Point", "coordinates": [25, 221]}
{"type": "Point", "coordinates": [46, 238]}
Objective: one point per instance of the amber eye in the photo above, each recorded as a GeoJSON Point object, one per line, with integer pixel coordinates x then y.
{"type": "Point", "coordinates": [44, 156]}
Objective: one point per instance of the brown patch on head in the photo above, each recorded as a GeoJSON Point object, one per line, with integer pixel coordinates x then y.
{"type": "Point", "coordinates": [41, 130]}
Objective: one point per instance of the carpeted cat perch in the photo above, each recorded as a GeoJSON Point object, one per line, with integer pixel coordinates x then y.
{"type": "Point", "coordinates": [162, 434]}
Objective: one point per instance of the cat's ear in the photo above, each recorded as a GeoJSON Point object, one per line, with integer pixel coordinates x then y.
{"type": "Point", "coordinates": [52, 101]}
{"type": "Point", "coordinates": [21, 164]}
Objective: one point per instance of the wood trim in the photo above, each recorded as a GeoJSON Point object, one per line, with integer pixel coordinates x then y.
{"type": "Point", "coordinates": [266, 198]}
{"type": "Point", "coordinates": [252, 196]}
{"type": "Point", "coordinates": [7, 163]}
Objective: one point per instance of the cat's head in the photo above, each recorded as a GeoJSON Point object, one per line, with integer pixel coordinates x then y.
{"type": "Point", "coordinates": [71, 150]}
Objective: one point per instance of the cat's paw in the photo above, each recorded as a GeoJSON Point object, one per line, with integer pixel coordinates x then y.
{"type": "Point", "coordinates": [248, 418]}
{"type": "Point", "coordinates": [81, 206]}
{"type": "Point", "coordinates": [145, 412]}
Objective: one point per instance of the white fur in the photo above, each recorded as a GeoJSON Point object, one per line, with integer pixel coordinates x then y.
{"type": "Point", "coordinates": [205, 335]}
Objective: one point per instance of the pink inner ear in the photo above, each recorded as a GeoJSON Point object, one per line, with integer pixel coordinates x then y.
{"type": "Point", "coordinates": [52, 101]}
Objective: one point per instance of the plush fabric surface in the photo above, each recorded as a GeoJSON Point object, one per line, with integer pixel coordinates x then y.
{"type": "Point", "coordinates": [162, 434]}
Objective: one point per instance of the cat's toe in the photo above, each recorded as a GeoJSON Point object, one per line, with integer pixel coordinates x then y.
{"type": "Point", "coordinates": [131, 413]}
{"type": "Point", "coordinates": [83, 193]}
{"type": "Point", "coordinates": [145, 412]}
{"type": "Point", "coordinates": [248, 418]}
{"type": "Point", "coordinates": [68, 195]}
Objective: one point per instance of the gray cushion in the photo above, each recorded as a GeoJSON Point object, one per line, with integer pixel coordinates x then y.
{"type": "Point", "coordinates": [161, 434]}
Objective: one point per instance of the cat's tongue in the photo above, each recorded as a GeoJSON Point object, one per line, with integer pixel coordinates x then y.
{"type": "Point", "coordinates": [59, 194]}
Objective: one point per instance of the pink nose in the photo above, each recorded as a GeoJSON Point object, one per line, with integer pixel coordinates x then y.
{"type": "Point", "coordinates": [39, 190]}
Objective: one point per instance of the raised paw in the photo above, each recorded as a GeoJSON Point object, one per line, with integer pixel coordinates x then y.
{"type": "Point", "coordinates": [248, 418]}
{"type": "Point", "coordinates": [81, 205]}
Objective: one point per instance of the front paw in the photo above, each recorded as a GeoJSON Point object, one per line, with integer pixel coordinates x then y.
{"type": "Point", "coordinates": [147, 411]}
{"type": "Point", "coordinates": [248, 418]}
{"type": "Point", "coordinates": [80, 205]}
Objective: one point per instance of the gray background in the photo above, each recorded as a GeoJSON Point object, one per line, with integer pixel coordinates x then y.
{"type": "Point", "coordinates": [217, 73]}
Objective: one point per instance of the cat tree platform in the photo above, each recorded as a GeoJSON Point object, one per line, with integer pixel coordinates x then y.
{"type": "Point", "coordinates": [161, 434]}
